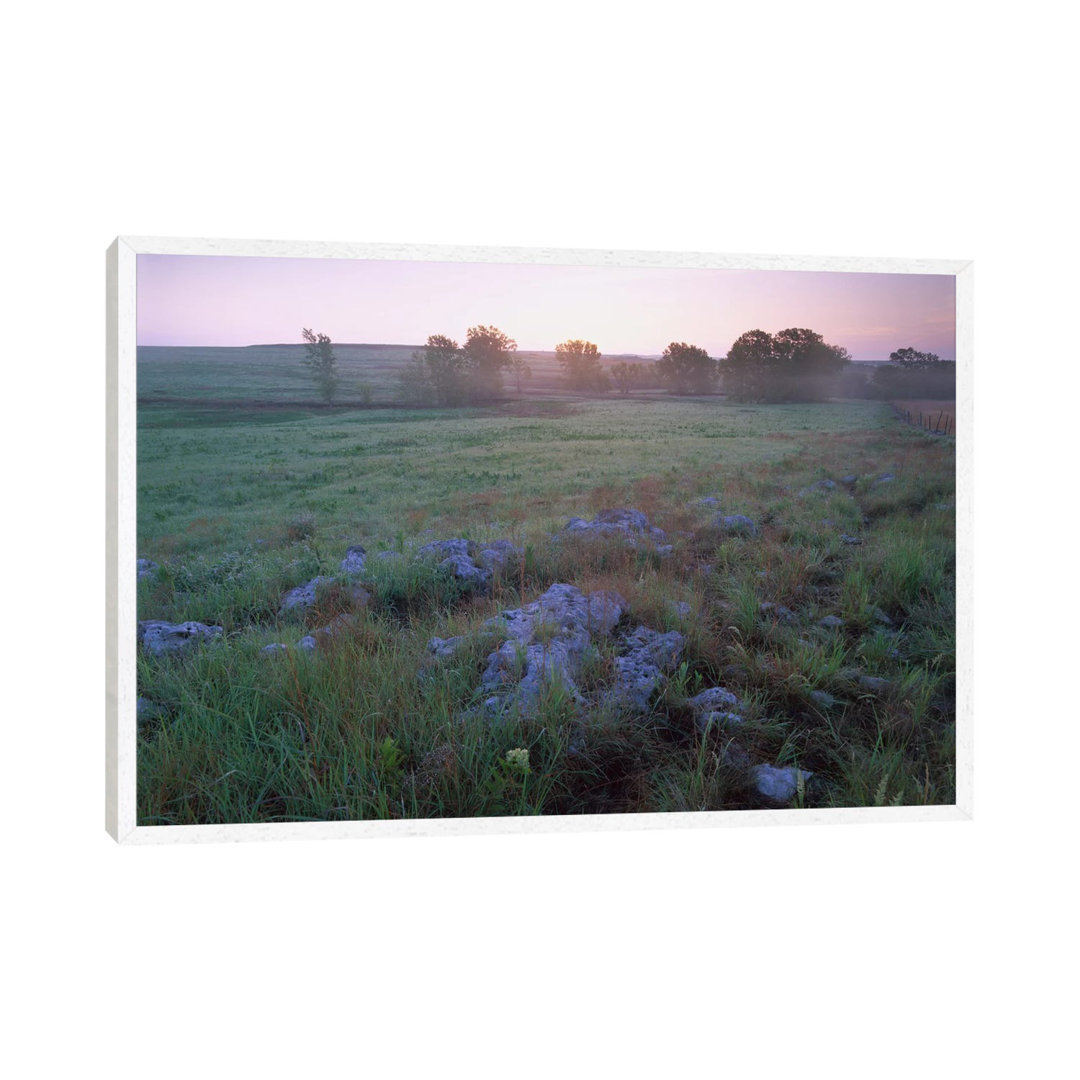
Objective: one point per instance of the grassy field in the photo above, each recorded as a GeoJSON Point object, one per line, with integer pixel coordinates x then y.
{"type": "Point", "coordinates": [239, 503]}
{"type": "Point", "coordinates": [267, 376]}
{"type": "Point", "coordinates": [929, 412]}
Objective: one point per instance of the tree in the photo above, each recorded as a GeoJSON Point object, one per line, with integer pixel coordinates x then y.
{"type": "Point", "coordinates": [521, 370]}
{"type": "Point", "coordinates": [914, 374]}
{"type": "Point", "coordinates": [910, 358]}
{"type": "Point", "coordinates": [626, 376]}
{"type": "Point", "coordinates": [580, 363]}
{"type": "Point", "coordinates": [686, 369]}
{"type": "Point", "coordinates": [440, 370]}
{"type": "Point", "coordinates": [322, 363]}
{"type": "Point", "coordinates": [794, 365]}
{"type": "Point", "coordinates": [487, 354]}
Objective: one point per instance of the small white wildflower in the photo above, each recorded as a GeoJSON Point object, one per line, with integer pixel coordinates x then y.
{"type": "Point", "coordinates": [518, 759]}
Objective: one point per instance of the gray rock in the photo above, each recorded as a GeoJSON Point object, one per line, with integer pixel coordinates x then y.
{"type": "Point", "coordinates": [627, 523]}
{"type": "Point", "coordinates": [307, 643]}
{"type": "Point", "coordinates": [831, 622]}
{"type": "Point", "coordinates": [736, 524]}
{"type": "Point", "coordinates": [640, 670]}
{"type": "Point", "coordinates": [713, 700]}
{"type": "Point", "coordinates": [297, 601]}
{"type": "Point", "coordinates": [679, 608]}
{"type": "Point", "coordinates": [884, 478]}
{"type": "Point", "coordinates": [564, 606]}
{"type": "Point", "coordinates": [145, 569]}
{"type": "Point", "coordinates": [545, 643]}
{"type": "Point", "coordinates": [497, 555]}
{"type": "Point", "coordinates": [881, 617]}
{"type": "Point", "coordinates": [388, 555]}
{"type": "Point", "coordinates": [353, 563]}
{"type": "Point", "coordinates": [846, 538]}
{"type": "Point", "coordinates": [455, 558]}
{"type": "Point", "coordinates": [849, 480]}
{"type": "Point", "coordinates": [274, 649]}
{"type": "Point", "coordinates": [718, 719]}
{"type": "Point", "coordinates": [713, 707]}
{"type": "Point", "coordinates": [445, 647]}
{"type": "Point", "coordinates": [822, 699]}
{"type": "Point", "coordinates": [778, 784]}
{"type": "Point", "coordinates": [470, 562]}
{"type": "Point", "coordinates": [160, 638]}
{"type": "Point", "coordinates": [874, 684]}
{"type": "Point", "coordinates": [710, 502]}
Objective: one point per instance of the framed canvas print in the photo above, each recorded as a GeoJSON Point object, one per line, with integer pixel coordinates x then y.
{"type": "Point", "coordinates": [408, 539]}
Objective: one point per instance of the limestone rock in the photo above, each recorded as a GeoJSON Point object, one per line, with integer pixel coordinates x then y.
{"type": "Point", "coordinates": [353, 563]}
{"type": "Point", "coordinates": [736, 524]}
{"type": "Point", "coordinates": [778, 784]}
{"type": "Point", "coordinates": [545, 643]}
{"type": "Point", "coordinates": [874, 684]}
{"type": "Point", "coordinates": [471, 563]}
{"type": "Point", "coordinates": [145, 569]}
{"type": "Point", "coordinates": [714, 706]}
{"type": "Point", "coordinates": [647, 657]}
{"type": "Point", "coordinates": [632, 525]}
{"type": "Point", "coordinates": [160, 638]}
{"type": "Point", "coordinates": [297, 601]}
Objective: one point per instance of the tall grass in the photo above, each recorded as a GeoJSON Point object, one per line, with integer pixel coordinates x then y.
{"type": "Point", "coordinates": [372, 726]}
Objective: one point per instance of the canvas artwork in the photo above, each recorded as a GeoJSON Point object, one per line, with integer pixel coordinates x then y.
{"type": "Point", "coordinates": [416, 538]}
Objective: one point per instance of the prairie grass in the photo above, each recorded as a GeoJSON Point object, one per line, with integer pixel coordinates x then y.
{"type": "Point", "coordinates": [372, 726]}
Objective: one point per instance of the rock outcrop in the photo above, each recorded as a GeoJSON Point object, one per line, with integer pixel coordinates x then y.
{"type": "Point", "coordinates": [162, 638]}
{"type": "Point", "coordinates": [777, 784]}
{"type": "Point", "coordinates": [715, 706]}
{"type": "Point", "coordinates": [624, 523]}
{"type": "Point", "coordinates": [647, 657]}
{"type": "Point", "coordinates": [468, 561]}
{"type": "Point", "coordinates": [354, 560]}
{"type": "Point", "coordinates": [735, 524]}
{"type": "Point", "coordinates": [546, 643]}
{"type": "Point", "coordinates": [297, 601]}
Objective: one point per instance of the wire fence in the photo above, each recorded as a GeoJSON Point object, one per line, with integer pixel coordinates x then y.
{"type": "Point", "coordinates": [943, 422]}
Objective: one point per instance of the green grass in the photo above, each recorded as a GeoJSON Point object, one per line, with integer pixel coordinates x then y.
{"type": "Point", "coordinates": [238, 505]}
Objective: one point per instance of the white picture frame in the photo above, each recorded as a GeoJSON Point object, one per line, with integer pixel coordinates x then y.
{"type": "Point", "coordinates": [121, 723]}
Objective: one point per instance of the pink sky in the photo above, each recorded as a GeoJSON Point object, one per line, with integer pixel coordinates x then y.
{"type": "Point", "coordinates": [231, 300]}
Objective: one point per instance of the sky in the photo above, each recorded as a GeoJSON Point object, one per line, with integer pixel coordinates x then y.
{"type": "Point", "coordinates": [234, 300]}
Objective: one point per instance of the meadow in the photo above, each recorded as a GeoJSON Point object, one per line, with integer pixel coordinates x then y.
{"type": "Point", "coordinates": [247, 490]}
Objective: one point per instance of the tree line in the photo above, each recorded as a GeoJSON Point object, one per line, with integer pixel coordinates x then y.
{"type": "Point", "coordinates": [796, 364]}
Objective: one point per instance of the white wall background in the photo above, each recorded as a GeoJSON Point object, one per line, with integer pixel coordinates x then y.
{"type": "Point", "coordinates": [924, 129]}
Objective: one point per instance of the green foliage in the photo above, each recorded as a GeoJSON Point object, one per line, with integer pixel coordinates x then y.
{"type": "Point", "coordinates": [915, 375]}
{"type": "Point", "coordinates": [580, 364]}
{"type": "Point", "coordinates": [322, 363]}
{"type": "Point", "coordinates": [627, 376]}
{"type": "Point", "coordinates": [793, 365]}
{"type": "Point", "coordinates": [487, 354]}
{"type": "Point", "coordinates": [436, 373]}
{"type": "Point", "coordinates": [686, 369]}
